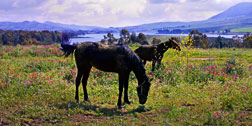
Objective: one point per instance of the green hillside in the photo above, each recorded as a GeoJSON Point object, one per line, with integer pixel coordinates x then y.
{"type": "Point", "coordinates": [248, 29]}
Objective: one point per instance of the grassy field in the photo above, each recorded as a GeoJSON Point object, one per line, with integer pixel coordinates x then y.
{"type": "Point", "coordinates": [192, 87]}
{"type": "Point", "coordinates": [249, 29]}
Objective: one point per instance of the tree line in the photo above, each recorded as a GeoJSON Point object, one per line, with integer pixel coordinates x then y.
{"type": "Point", "coordinates": [170, 30]}
{"type": "Point", "coordinates": [196, 38]}
{"type": "Point", "coordinates": [29, 37]}
{"type": "Point", "coordinates": [200, 40]}
{"type": "Point", "coordinates": [125, 38]}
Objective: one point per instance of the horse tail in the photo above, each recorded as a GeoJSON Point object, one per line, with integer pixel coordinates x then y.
{"type": "Point", "coordinates": [68, 49]}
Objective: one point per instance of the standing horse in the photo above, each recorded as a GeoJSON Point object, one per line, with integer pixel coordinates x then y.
{"type": "Point", "coordinates": [155, 53]}
{"type": "Point", "coordinates": [117, 58]}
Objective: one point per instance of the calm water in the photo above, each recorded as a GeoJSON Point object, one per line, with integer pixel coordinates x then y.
{"type": "Point", "coordinates": [98, 37]}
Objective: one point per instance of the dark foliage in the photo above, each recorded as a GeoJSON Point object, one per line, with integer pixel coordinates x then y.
{"type": "Point", "coordinates": [29, 37]}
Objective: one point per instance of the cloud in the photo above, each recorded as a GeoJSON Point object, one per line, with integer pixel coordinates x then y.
{"type": "Point", "coordinates": [10, 5]}
{"type": "Point", "coordinates": [94, 12]}
{"type": "Point", "coordinates": [112, 12]}
{"type": "Point", "coordinates": [173, 1]}
{"type": "Point", "coordinates": [163, 1]}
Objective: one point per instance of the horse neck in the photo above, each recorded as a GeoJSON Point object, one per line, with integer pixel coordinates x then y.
{"type": "Point", "coordinates": [139, 71]}
{"type": "Point", "coordinates": [163, 47]}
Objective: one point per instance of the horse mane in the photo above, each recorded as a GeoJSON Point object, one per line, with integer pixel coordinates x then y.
{"type": "Point", "coordinates": [167, 43]}
{"type": "Point", "coordinates": [134, 58]}
{"type": "Point", "coordinates": [134, 61]}
{"type": "Point", "coordinates": [137, 65]}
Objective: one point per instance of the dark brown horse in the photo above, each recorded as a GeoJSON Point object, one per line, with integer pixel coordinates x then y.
{"type": "Point", "coordinates": [155, 53]}
{"type": "Point", "coordinates": [117, 58]}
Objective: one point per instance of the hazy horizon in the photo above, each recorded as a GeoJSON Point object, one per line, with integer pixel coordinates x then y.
{"type": "Point", "coordinates": [112, 13]}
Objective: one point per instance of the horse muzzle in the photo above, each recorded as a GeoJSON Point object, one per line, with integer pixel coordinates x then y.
{"type": "Point", "coordinates": [142, 99]}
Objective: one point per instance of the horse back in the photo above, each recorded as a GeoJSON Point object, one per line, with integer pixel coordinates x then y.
{"type": "Point", "coordinates": [103, 57]}
{"type": "Point", "coordinates": [146, 52]}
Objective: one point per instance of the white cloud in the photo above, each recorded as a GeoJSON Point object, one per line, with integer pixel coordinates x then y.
{"type": "Point", "coordinates": [112, 12]}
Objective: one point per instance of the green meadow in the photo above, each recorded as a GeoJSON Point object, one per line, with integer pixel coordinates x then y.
{"type": "Point", "coordinates": [192, 87]}
{"type": "Point", "coordinates": [247, 29]}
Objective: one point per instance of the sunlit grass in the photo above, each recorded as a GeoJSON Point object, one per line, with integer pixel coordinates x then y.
{"type": "Point", "coordinates": [39, 89]}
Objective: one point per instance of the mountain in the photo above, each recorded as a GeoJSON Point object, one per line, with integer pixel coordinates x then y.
{"type": "Point", "coordinates": [154, 26]}
{"type": "Point", "coordinates": [72, 26]}
{"type": "Point", "coordinates": [37, 26]}
{"type": "Point", "coordinates": [236, 17]}
{"type": "Point", "coordinates": [239, 10]}
{"type": "Point", "coordinates": [29, 26]}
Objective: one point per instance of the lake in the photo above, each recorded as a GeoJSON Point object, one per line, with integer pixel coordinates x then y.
{"type": "Point", "coordinates": [98, 37]}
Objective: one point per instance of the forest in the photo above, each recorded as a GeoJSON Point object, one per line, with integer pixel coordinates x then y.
{"type": "Point", "coordinates": [199, 40]}
{"type": "Point", "coordinates": [29, 37]}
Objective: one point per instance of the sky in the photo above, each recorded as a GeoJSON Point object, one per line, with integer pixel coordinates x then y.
{"type": "Point", "coordinates": [112, 13]}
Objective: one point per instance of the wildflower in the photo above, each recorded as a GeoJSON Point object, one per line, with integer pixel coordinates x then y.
{"type": "Point", "coordinates": [150, 74]}
{"type": "Point", "coordinates": [245, 92]}
{"type": "Point", "coordinates": [169, 71]}
{"type": "Point", "coordinates": [243, 114]}
{"type": "Point", "coordinates": [227, 83]}
{"type": "Point", "coordinates": [61, 73]}
{"type": "Point", "coordinates": [51, 82]}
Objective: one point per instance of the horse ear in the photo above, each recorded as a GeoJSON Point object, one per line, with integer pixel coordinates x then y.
{"type": "Point", "coordinates": [151, 79]}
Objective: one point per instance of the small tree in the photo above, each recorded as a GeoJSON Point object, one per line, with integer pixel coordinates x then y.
{"type": "Point", "coordinates": [246, 35]}
{"type": "Point", "coordinates": [103, 41]}
{"type": "Point", "coordinates": [248, 42]}
{"type": "Point", "coordinates": [125, 35]}
{"type": "Point", "coordinates": [204, 42]}
{"type": "Point", "coordinates": [199, 39]}
{"type": "Point", "coordinates": [133, 37]}
{"type": "Point", "coordinates": [156, 41]}
{"type": "Point", "coordinates": [218, 43]}
{"type": "Point", "coordinates": [195, 36]}
{"type": "Point", "coordinates": [141, 38]}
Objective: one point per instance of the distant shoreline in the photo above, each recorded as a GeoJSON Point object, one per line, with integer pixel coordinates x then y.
{"type": "Point", "coordinates": [80, 37]}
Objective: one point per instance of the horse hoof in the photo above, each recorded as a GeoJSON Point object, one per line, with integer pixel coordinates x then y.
{"type": "Point", "coordinates": [88, 101]}
{"type": "Point", "coordinates": [120, 107]}
{"type": "Point", "coordinates": [128, 102]}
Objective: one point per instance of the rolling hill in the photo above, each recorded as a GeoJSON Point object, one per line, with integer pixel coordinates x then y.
{"type": "Point", "coordinates": [236, 17]}
{"type": "Point", "coordinates": [239, 10]}
{"type": "Point", "coordinates": [37, 26]}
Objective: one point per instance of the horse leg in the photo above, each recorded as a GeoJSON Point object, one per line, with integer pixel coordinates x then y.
{"type": "Point", "coordinates": [121, 83]}
{"type": "Point", "coordinates": [159, 61]}
{"type": "Point", "coordinates": [144, 62]}
{"type": "Point", "coordinates": [126, 85]}
{"type": "Point", "coordinates": [84, 81]}
{"type": "Point", "coordinates": [153, 65]}
{"type": "Point", "coordinates": [77, 84]}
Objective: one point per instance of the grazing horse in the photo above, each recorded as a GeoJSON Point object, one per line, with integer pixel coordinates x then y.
{"type": "Point", "coordinates": [115, 58]}
{"type": "Point", "coordinates": [155, 53]}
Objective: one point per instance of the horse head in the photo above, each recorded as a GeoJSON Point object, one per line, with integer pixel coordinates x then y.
{"type": "Point", "coordinates": [175, 45]}
{"type": "Point", "coordinates": [142, 90]}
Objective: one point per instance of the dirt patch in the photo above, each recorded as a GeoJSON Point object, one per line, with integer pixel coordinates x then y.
{"type": "Point", "coordinates": [86, 118]}
{"type": "Point", "coordinates": [202, 58]}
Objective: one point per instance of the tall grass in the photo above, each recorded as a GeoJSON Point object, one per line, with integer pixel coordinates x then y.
{"type": "Point", "coordinates": [37, 87]}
